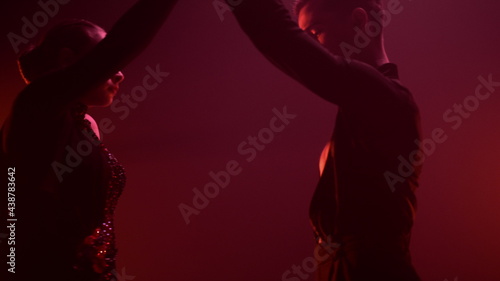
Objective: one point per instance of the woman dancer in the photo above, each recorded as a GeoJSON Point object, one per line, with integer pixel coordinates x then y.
{"type": "Point", "coordinates": [66, 181]}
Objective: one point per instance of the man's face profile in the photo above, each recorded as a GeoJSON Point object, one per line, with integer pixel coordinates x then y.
{"type": "Point", "coordinates": [329, 26]}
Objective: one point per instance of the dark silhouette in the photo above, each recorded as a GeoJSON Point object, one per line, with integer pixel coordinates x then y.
{"type": "Point", "coordinates": [362, 202]}
{"type": "Point", "coordinates": [66, 182]}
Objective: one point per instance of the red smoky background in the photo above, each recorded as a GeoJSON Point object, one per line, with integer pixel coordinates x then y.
{"type": "Point", "coordinates": [219, 91]}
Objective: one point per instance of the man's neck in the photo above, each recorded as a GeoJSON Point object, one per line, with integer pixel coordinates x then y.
{"type": "Point", "coordinates": [375, 60]}
{"type": "Point", "coordinates": [374, 56]}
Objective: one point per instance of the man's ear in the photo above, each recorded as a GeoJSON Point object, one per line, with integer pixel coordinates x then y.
{"type": "Point", "coordinates": [359, 18]}
{"type": "Point", "coordinates": [65, 57]}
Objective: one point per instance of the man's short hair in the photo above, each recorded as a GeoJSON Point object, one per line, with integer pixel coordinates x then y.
{"type": "Point", "coordinates": [368, 5]}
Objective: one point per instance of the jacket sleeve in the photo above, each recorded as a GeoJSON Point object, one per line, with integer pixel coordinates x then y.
{"type": "Point", "coordinates": [276, 35]}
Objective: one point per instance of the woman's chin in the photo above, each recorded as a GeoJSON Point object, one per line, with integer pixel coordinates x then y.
{"type": "Point", "coordinates": [107, 103]}
{"type": "Point", "coordinates": [101, 103]}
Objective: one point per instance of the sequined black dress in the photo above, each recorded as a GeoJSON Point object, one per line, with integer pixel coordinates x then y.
{"type": "Point", "coordinates": [67, 182]}
{"type": "Point", "coordinates": [97, 252]}
{"type": "Point", "coordinates": [65, 222]}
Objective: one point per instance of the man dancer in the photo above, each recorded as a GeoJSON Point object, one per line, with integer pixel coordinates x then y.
{"type": "Point", "coordinates": [365, 198]}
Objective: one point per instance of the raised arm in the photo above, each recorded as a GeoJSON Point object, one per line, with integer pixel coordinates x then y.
{"type": "Point", "coordinates": [126, 40]}
{"type": "Point", "coordinates": [39, 109]}
{"type": "Point", "coordinates": [277, 36]}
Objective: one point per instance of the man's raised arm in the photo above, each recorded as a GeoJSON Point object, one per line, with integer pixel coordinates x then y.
{"type": "Point", "coordinates": [277, 36]}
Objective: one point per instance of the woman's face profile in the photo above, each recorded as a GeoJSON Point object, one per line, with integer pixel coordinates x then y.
{"type": "Point", "coordinates": [103, 94]}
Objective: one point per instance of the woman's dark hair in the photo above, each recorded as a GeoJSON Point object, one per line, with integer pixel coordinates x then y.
{"type": "Point", "coordinates": [41, 59]}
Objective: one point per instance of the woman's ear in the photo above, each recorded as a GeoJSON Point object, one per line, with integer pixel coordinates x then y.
{"type": "Point", "coordinates": [66, 57]}
{"type": "Point", "coordinates": [359, 18]}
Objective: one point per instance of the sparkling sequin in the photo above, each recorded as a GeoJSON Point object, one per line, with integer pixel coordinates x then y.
{"type": "Point", "coordinates": [99, 248]}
